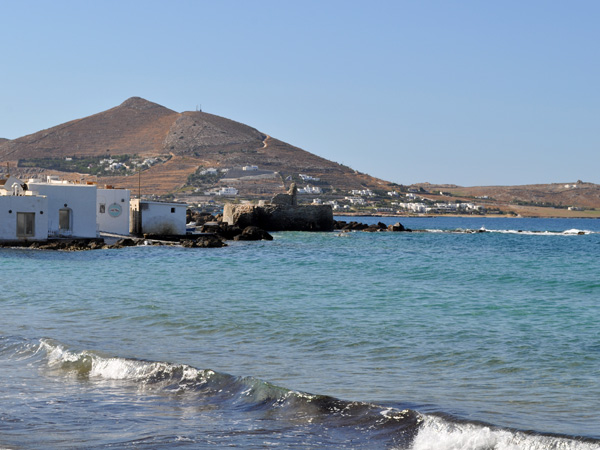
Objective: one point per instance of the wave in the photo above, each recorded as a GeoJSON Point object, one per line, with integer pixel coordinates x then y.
{"type": "Point", "coordinates": [570, 232]}
{"type": "Point", "coordinates": [437, 433]}
{"type": "Point", "coordinates": [389, 426]}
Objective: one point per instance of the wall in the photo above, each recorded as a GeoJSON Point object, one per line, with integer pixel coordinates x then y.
{"type": "Point", "coordinates": [9, 207]}
{"type": "Point", "coordinates": [280, 217]}
{"type": "Point", "coordinates": [115, 218]}
{"type": "Point", "coordinates": [158, 218]}
{"type": "Point", "coordinates": [80, 199]}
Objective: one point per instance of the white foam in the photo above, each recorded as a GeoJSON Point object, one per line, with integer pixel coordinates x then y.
{"type": "Point", "coordinates": [108, 368]}
{"type": "Point", "coordinates": [438, 434]}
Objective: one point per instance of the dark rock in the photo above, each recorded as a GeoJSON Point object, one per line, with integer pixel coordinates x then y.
{"type": "Point", "coordinates": [222, 229]}
{"type": "Point", "coordinates": [125, 242]}
{"type": "Point", "coordinates": [374, 228]}
{"type": "Point", "coordinates": [397, 227]}
{"type": "Point", "coordinates": [210, 241]}
{"type": "Point", "coordinates": [70, 244]}
{"type": "Point", "coordinates": [253, 233]}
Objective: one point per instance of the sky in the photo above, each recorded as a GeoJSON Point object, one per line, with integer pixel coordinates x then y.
{"type": "Point", "coordinates": [448, 92]}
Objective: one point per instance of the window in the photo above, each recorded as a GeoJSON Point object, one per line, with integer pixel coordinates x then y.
{"type": "Point", "coordinates": [102, 209]}
{"type": "Point", "coordinates": [25, 224]}
{"type": "Point", "coordinates": [172, 210]}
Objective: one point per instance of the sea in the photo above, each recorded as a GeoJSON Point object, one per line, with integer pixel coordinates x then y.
{"type": "Point", "coordinates": [467, 333]}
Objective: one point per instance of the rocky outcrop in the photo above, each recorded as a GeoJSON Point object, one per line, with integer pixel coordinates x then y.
{"type": "Point", "coordinates": [280, 217]}
{"type": "Point", "coordinates": [358, 226]}
{"type": "Point", "coordinates": [70, 245]}
{"type": "Point", "coordinates": [205, 241]}
{"type": "Point", "coordinates": [254, 234]}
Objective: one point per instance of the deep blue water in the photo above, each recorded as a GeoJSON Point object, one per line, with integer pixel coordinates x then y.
{"type": "Point", "coordinates": [423, 340]}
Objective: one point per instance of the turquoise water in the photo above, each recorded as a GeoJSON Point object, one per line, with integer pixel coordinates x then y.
{"type": "Point", "coordinates": [418, 340]}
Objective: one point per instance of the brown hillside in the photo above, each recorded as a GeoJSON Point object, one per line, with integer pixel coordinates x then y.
{"type": "Point", "coordinates": [137, 126]}
{"type": "Point", "coordinates": [190, 140]}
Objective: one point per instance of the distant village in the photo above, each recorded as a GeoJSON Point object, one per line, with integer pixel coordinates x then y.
{"type": "Point", "coordinates": [364, 201]}
{"type": "Point", "coordinates": [40, 209]}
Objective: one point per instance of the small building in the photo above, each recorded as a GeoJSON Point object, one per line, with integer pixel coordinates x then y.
{"type": "Point", "coordinates": [71, 207]}
{"type": "Point", "coordinates": [112, 210]}
{"type": "Point", "coordinates": [227, 192]}
{"type": "Point", "coordinates": [23, 215]}
{"type": "Point", "coordinates": [152, 217]}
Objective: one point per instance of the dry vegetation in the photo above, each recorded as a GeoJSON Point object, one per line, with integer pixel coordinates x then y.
{"type": "Point", "coordinates": [190, 141]}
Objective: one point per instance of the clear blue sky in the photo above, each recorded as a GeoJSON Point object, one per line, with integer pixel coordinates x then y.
{"type": "Point", "coordinates": [464, 92]}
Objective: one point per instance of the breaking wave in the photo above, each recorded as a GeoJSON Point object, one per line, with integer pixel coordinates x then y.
{"type": "Point", "coordinates": [375, 425]}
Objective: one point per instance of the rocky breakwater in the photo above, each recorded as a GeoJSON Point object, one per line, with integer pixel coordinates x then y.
{"type": "Point", "coordinates": [358, 226]}
{"type": "Point", "coordinates": [282, 214]}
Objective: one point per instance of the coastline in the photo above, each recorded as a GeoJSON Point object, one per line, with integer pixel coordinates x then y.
{"type": "Point", "coordinates": [487, 216]}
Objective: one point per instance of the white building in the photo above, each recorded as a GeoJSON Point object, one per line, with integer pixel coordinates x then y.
{"type": "Point", "coordinates": [307, 177]}
{"type": "Point", "coordinates": [112, 210]}
{"type": "Point", "coordinates": [150, 217]}
{"type": "Point", "coordinates": [227, 192]}
{"type": "Point", "coordinates": [23, 215]}
{"type": "Point", "coordinates": [71, 207]}
{"type": "Point", "coordinates": [356, 200]}
{"type": "Point", "coordinates": [310, 190]}
{"type": "Point", "coordinates": [363, 192]}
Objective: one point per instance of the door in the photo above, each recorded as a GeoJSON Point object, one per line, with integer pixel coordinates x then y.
{"type": "Point", "coordinates": [65, 221]}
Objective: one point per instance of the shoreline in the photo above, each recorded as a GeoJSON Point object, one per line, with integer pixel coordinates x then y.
{"type": "Point", "coordinates": [486, 216]}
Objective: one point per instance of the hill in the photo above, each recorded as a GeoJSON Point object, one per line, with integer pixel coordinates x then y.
{"type": "Point", "coordinates": [171, 150]}
{"type": "Point", "coordinates": [575, 199]}
{"type": "Point", "coordinates": [188, 155]}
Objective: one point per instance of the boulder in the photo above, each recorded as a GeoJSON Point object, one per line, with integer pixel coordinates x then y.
{"type": "Point", "coordinates": [397, 227]}
{"type": "Point", "coordinates": [252, 233]}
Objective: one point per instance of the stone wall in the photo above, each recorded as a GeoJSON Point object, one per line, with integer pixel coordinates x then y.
{"type": "Point", "coordinates": [280, 217]}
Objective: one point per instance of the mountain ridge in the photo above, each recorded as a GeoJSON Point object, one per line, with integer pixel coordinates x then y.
{"type": "Point", "coordinates": [189, 140]}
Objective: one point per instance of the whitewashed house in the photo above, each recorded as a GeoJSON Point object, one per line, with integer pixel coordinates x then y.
{"type": "Point", "coordinates": [310, 190]}
{"type": "Point", "coordinates": [71, 207]}
{"type": "Point", "coordinates": [23, 215]}
{"type": "Point", "coordinates": [112, 210]}
{"type": "Point", "coordinates": [227, 192]}
{"type": "Point", "coordinates": [150, 217]}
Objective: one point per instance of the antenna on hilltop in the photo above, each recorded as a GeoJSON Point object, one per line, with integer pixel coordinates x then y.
{"type": "Point", "coordinates": [198, 108]}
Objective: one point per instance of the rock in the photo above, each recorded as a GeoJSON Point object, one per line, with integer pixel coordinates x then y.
{"type": "Point", "coordinates": [125, 242]}
{"type": "Point", "coordinates": [222, 229]}
{"type": "Point", "coordinates": [374, 228]}
{"type": "Point", "coordinates": [280, 217]}
{"type": "Point", "coordinates": [253, 233]}
{"type": "Point", "coordinates": [397, 227]}
{"type": "Point", "coordinates": [210, 241]}
{"type": "Point", "coordinates": [70, 244]}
